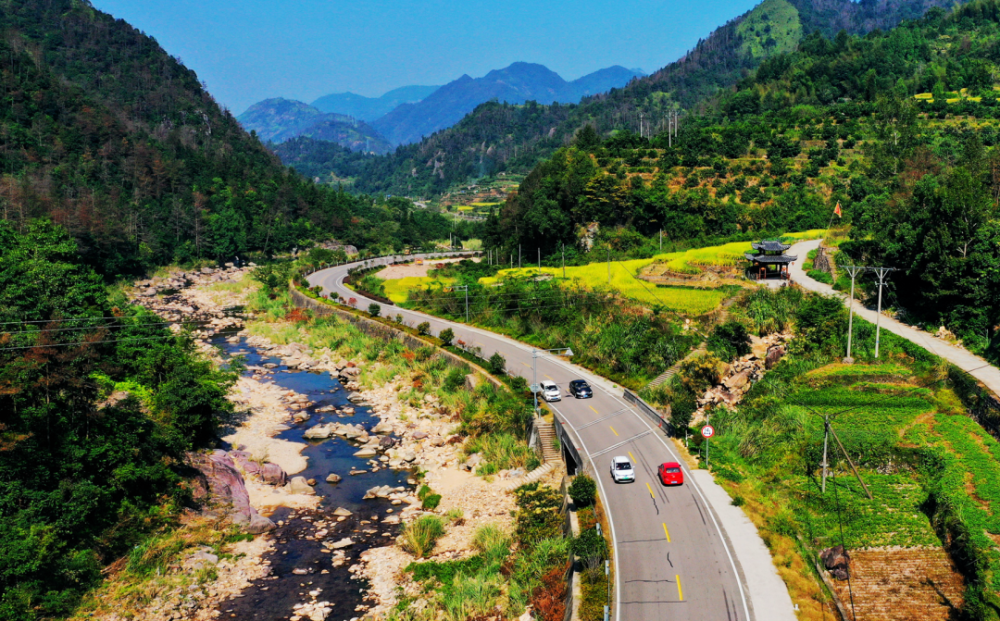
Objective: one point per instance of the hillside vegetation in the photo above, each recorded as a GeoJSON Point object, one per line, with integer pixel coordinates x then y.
{"type": "Point", "coordinates": [117, 141]}
{"type": "Point", "coordinates": [499, 138]}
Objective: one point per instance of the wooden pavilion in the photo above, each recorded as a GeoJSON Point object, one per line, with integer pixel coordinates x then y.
{"type": "Point", "coordinates": [768, 260]}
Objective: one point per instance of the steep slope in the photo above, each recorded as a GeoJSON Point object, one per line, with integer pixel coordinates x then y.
{"type": "Point", "coordinates": [278, 120]}
{"type": "Point", "coordinates": [371, 108]}
{"type": "Point", "coordinates": [515, 84]}
{"type": "Point", "coordinates": [113, 138]}
{"type": "Point", "coordinates": [480, 145]}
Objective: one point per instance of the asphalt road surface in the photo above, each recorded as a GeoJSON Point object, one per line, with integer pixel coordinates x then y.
{"type": "Point", "coordinates": [673, 560]}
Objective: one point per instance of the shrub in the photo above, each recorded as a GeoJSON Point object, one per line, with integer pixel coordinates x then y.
{"type": "Point", "coordinates": [431, 502]}
{"type": "Point", "coordinates": [453, 381]}
{"type": "Point", "coordinates": [374, 309]}
{"type": "Point", "coordinates": [822, 324]}
{"type": "Point", "coordinates": [498, 364]}
{"type": "Point", "coordinates": [447, 336]}
{"type": "Point", "coordinates": [700, 373]}
{"type": "Point", "coordinates": [537, 517]}
{"type": "Point", "coordinates": [423, 328]}
{"type": "Point", "coordinates": [729, 340]}
{"type": "Point", "coordinates": [583, 491]}
{"type": "Point", "coordinates": [424, 353]}
{"type": "Point", "coordinates": [420, 536]}
{"type": "Point", "coordinates": [518, 384]}
{"type": "Point", "coordinates": [399, 318]}
{"type": "Point", "coordinates": [590, 546]}
{"type": "Point", "coordinates": [423, 492]}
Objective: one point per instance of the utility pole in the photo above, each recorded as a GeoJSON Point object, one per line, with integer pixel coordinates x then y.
{"type": "Point", "coordinates": [661, 240]}
{"type": "Point", "coordinates": [882, 273]}
{"type": "Point", "coordinates": [466, 289]}
{"type": "Point", "coordinates": [539, 260]}
{"type": "Point", "coordinates": [853, 270]}
{"type": "Point", "coordinates": [519, 256]}
{"type": "Point", "coordinates": [564, 260]}
{"type": "Point", "coordinates": [826, 438]}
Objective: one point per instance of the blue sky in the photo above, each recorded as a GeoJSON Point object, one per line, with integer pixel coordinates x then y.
{"type": "Point", "coordinates": [302, 49]}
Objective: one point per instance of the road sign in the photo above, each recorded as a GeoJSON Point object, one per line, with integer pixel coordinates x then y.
{"type": "Point", "coordinates": [535, 388]}
{"type": "Point", "coordinates": [708, 431]}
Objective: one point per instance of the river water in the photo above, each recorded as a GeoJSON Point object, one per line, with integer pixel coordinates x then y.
{"type": "Point", "coordinates": [302, 570]}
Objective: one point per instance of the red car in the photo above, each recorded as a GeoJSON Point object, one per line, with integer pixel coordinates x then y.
{"type": "Point", "coordinates": [671, 473]}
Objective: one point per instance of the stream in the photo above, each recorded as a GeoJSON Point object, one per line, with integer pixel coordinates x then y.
{"type": "Point", "coordinates": [302, 568]}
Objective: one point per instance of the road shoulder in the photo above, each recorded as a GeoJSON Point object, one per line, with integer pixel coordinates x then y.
{"type": "Point", "coordinates": [769, 596]}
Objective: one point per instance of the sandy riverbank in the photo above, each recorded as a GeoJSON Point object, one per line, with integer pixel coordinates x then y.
{"type": "Point", "coordinates": [424, 438]}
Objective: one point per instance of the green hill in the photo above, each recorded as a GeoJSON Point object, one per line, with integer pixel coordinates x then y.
{"type": "Point", "coordinates": [117, 141]}
{"type": "Point", "coordinates": [497, 138]}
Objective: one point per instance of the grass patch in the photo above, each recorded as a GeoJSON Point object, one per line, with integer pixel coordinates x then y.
{"type": "Point", "coordinates": [419, 537]}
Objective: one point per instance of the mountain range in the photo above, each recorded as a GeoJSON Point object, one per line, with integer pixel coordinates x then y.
{"type": "Point", "coordinates": [503, 137]}
{"type": "Point", "coordinates": [419, 110]}
{"type": "Point", "coordinates": [278, 120]}
{"type": "Point", "coordinates": [371, 108]}
{"type": "Point", "coordinates": [515, 84]}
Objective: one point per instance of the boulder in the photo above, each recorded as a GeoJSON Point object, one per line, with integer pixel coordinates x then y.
{"type": "Point", "coordinates": [387, 442]}
{"type": "Point", "coordinates": [419, 435]}
{"type": "Point", "coordinates": [333, 478]}
{"type": "Point", "coordinates": [299, 485]}
{"type": "Point", "coordinates": [273, 474]}
{"type": "Point", "coordinates": [225, 486]}
{"type": "Point", "coordinates": [346, 542]}
{"type": "Point", "coordinates": [355, 397]}
{"type": "Point", "coordinates": [774, 354]}
{"type": "Point", "coordinates": [207, 270]}
{"type": "Point", "coordinates": [837, 561]}
{"type": "Point", "coordinates": [342, 512]}
{"type": "Point", "coordinates": [407, 456]}
{"type": "Point", "coordinates": [320, 432]}
{"type": "Point", "coordinates": [366, 453]}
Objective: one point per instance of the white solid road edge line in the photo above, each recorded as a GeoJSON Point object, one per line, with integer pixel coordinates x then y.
{"type": "Point", "coordinates": [708, 506]}
{"type": "Point", "coordinates": [611, 521]}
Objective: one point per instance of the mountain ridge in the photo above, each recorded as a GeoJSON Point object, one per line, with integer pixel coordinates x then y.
{"type": "Point", "coordinates": [480, 144]}
{"type": "Point", "coordinates": [515, 84]}
{"type": "Point", "coordinates": [370, 108]}
{"type": "Point", "coordinates": [278, 120]}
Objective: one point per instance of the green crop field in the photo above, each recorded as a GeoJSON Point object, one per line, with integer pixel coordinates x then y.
{"type": "Point", "coordinates": [397, 289]}
{"type": "Point", "coordinates": [624, 279]}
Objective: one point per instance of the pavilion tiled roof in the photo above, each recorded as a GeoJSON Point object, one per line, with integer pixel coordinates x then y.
{"type": "Point", "coordinates": [770, 245]}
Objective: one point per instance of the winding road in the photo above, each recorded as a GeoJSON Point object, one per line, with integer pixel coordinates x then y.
{"type": "Point", "coordinates": [673, 557]}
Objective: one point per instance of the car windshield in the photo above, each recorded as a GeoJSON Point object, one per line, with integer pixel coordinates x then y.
{"type": "Point", "coordinates": [623, 465]}
{"type": "Point", "coordinates": [672, 470]}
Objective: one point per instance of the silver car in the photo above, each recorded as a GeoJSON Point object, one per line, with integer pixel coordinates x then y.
{"type": "Point", "coordinates": [550, 392]}
{"type": "Point", "coordinates": [622, 470]}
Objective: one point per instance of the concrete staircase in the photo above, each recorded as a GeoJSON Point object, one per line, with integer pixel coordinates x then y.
{"type": "Point", "coordinates": [547, 436]}
{"type": "Point", "coordinates": [672, 371]}
{"type": "Point", "coordinates": [531, 477]}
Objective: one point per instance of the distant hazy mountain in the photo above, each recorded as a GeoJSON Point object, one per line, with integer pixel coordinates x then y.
{"type": "Point", "coordinates": [278, 120]}
{"type": "Point", "coordinates": [371, 108]}
{"type": "Point", "coordinates": [515, 84]}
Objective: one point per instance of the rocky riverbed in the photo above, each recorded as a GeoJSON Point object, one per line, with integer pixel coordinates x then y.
{"type": "Point", "coordinates": [329, 464]}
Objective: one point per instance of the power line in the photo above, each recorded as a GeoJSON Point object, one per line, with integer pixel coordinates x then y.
{"type": "Point", "coordinates": [124, 340]}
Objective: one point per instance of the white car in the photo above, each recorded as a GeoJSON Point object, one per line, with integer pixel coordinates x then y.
{"type": "Point", "coordinates": [622, 470]}
{"type": "Point", "coordinates": [550, 392]}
